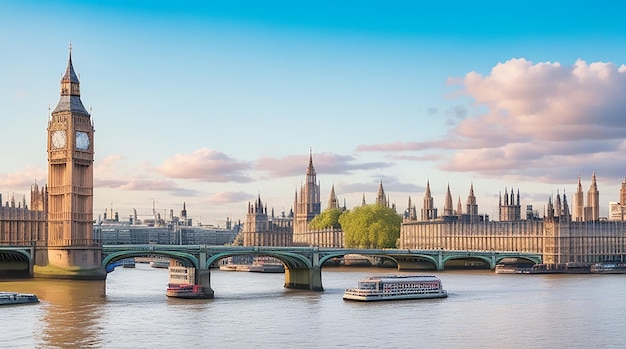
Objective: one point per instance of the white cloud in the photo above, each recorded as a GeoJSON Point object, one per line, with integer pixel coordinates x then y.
{"type": "Point", "coordinates": [205, 165]}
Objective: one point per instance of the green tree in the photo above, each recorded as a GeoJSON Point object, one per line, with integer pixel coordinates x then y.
{"type": "Point", "coordinates": [371, 226]}
{"type": "Point", "coordinates": [327, 219]}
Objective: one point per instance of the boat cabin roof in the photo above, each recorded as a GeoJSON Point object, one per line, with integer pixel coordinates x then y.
{"type": "Point", "coordinates": [400, 278]}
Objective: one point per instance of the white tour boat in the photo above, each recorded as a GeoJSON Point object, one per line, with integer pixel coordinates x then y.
{"type": "Point", "coordinates": [400, 286]}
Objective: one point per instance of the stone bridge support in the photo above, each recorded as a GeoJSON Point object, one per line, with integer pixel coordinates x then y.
{"type": "Point", "coordinates": [203, 277]}
{"type": "Point", "coordinates": [304, 278]}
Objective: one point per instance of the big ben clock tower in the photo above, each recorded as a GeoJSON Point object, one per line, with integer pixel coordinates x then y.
{"type": "Point", "coordinates": [72, 251]}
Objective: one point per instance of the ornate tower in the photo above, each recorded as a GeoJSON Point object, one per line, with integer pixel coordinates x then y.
{"type": "Point", "coordinates": [472, 206]}
{"type": "Point", "coordinates": [381, 199]}
{"type": "Point", "coordinates": [307, 205]}
{"type": "Point", "coordinates": [411, 213]}
{"type": "Point", "coordinates": [578, 203]}
{"type": "Point", "coordinates": [429, 212]}
{"type": "Point", "coordinates": [592, 210]}
{"type": "Point", "coordinates": [510, 210]}
{"type": "Point", "coordinates": [332, 201]}
{"type": "Point", "coordinates": [72, 251]}
{"type": "Point", "coordinates": [256, 224]}
{"type": "Point", "coordinates": [447, 204]}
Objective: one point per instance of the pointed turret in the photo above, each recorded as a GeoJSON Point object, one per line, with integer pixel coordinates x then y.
{"type": "Point", "coordinates": [447, 207]}
{"type": "Point", "coordinates": [592, 210]}
{"type": "Point", "coordinates": [472, 206]}
{"type": "Point", "coordinates": [407, 213]}
{"type": "Point", "coordinates": [381, 199]}
{"type": "Point", "coordinates": [429, 212]}
{"type": "Point", "coordinates": [310, 170]}
{"type": "Point", "coordinates": [332, 201]}
{"type": "Point", "coordinates": [566, 213]}
{"type": "Point", "coordinates": [578, 203]}
{"type": "Point", "coordinates": [70, 91]}
{"type": "Point", "coordinates": [550, 209]}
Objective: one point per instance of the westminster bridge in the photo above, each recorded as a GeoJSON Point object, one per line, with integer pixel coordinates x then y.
{"type": "Point", "coordinates": [303, 265]}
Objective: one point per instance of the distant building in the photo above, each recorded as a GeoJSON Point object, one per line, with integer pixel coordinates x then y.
{"type": "Point", "coordinates": [591, 211]}
{"type": "Point", "coordinates": [429, 211]}
{"type": "Point", "coordinates": [616, 211]}
{"type": "Point", "coordinates": [263, 230]}
{"type": "Point", "coordinates": [510, 209]}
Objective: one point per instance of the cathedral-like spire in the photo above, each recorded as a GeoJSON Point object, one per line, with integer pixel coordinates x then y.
{"type": "Point", "coordinates": [429, 212]}
{"type": "Point", "coordinates": [594, 185]}
{"type": "Point", "coordinates": [332, 201]}
{"type": "Point", "coordinates": [580, 186]}
{"type": "Point", "coordinates": [310, 171]}
{"type": "Point", "coordinates": [70, 77]}
{"type": "Point", "coordinates": [566, 213]}
{"type": "Point", "coordinates": [593, 200]}
{"type": "Point", "coordinates": [472, 205]}
{"type": "Point", "coordinates": [447, 207]}
{"type": "Point", "coordinates": [70, 91]}
{"type": "Point", "coordinates": [381, 199]}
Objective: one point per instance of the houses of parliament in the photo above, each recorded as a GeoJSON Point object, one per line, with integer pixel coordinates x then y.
{"type": "Point", "coordinates": [60, 214]}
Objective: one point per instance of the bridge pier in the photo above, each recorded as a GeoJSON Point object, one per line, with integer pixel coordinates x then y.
{"type": "Point", "coordinates": [304, 278]}
{"type": "Point", "coordinates": [74, 263]}
{"type": "Point", "coordinates": [440, 263]}
{"type": "Point", "coordinates": [203, 277]}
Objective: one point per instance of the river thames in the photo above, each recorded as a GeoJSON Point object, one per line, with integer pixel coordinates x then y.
{"type": "Point", "coordinates": [253, 310]}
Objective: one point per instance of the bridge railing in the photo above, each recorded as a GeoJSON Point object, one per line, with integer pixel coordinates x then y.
{"type": "Point", "coordinates": [55, 243]}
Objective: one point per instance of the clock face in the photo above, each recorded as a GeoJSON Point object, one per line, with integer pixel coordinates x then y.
{"type": "Point", "coordinates": [58, 139]}
{"type": "Point", "coordinates": [82, 140]}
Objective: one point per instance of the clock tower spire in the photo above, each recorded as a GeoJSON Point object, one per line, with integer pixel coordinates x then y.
{"type": "Point", "coordinates": [72, 251]}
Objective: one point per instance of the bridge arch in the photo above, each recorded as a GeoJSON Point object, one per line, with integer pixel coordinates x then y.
{"type": "Point", "coordinates": [532, 259]}
{"type": "Point", "coordinates": [15, 254]}
{"type": "Point", "coordinates": [17, 261]}
{"type": "Point", "coordinates": [188, 260]}
{"type": "Point", "coordinates": [469, 257]}
{"type": "Point", "coordinates": [326, 256]}
{"type": "Point", "coordinates": [290, 260]}
{"type": "Point", "coordinates": [301, 271]}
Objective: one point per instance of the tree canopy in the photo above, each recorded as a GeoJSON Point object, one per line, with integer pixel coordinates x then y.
{"type": "Point", "coordinates": [371, 226]}
{"type": "Point", "coordinates": [327, 219]}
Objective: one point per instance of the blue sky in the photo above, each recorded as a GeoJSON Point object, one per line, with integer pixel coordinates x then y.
{"type": "Point", "coordinates": [215, 102]}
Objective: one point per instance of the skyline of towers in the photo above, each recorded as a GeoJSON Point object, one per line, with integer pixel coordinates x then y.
{"type": "Point", "coordinates": [590, 211]}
